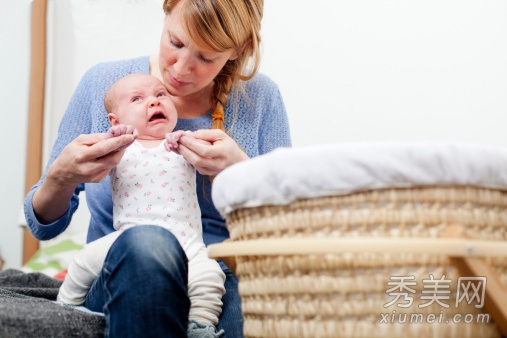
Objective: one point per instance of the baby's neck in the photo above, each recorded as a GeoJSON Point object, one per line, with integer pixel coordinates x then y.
{"type": "Point", "coordinates": [150, 143]}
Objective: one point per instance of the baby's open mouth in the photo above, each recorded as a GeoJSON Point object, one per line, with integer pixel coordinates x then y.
{"type": "Point", "coordinates": [157, 116]}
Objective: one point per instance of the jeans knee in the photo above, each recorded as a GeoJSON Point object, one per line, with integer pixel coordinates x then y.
{"type": "Point", "coordinates": [149, 247]}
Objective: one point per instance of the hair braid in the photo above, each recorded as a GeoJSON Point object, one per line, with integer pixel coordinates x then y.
{"type": "Point", "coordinates": [221, 89]}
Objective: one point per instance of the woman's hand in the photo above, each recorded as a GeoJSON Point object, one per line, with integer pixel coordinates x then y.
{"type": "Point", "coordinates": [211, 157]}
{"type": "Point", "coordinates": [89, 158]}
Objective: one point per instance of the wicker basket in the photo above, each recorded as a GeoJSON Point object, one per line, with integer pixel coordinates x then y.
{"type": "Point", "coordinates": [345, 294]}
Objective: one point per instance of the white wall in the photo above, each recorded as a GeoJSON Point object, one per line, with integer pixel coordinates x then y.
{"type": "Point", "coordinates": [14, 75]}
{"type": "Point", "coordinates": [82, 33]}
{"type": "Point", "coordinates": [348, 70]}
{"type": "Point", "coordinates": [390, 69]}
{"type": "Point", "coordinates": [363, 70]}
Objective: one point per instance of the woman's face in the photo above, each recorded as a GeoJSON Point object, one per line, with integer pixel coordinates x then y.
{"type": "Point", "coordinates": [187, 68]}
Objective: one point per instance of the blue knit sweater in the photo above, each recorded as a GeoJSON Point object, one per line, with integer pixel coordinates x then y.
{"type": "Point", "coordinates": [257, 122]}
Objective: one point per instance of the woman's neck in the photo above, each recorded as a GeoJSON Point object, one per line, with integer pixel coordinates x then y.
{"type": "Point", "coordinates": [192, 106]}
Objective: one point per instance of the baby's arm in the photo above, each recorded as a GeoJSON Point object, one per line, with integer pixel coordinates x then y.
{"type": "Point", "coordinates": [83, 270]}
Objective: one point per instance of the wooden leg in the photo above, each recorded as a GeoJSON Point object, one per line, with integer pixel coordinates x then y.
{"type": "Point", "coordinates": [35, 111]}
{"type": "Point", "coordinates": [496, 293]}
{"type": "Point", "coordinates": [30, 245]}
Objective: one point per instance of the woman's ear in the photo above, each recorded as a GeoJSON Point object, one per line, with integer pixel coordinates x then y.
{"type": "Point", "coordinates": [113, 119]}
{"type": "Point", "coordinates": [238, 51]}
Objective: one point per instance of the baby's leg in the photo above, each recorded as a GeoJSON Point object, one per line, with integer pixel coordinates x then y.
{"type": "Point", "coordinates": [83, 270]}
{"type": "Point", "coordinates": [205, 288]}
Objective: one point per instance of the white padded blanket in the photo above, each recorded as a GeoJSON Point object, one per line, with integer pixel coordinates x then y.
{"type": "Point", "coordinates": [287, 174]}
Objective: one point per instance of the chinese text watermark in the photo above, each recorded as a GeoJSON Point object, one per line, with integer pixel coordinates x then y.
{"type": "Point", "coordinates": [435, 291]}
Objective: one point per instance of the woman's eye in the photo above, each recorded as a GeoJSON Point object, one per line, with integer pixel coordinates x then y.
{"type": "Point", "coordinates": [176, 44]}
{"type": "Point", "coordinates": [204, 59]}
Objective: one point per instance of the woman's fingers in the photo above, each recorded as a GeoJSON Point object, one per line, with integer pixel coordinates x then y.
{"type": "Point", "coordinates": [210, 151]}
{"type": "Point", "coordinates": [89, 158]}
{"type": "Point", "coordinates": [206, 166]}
{"type": "Point", "coordinates": [210, 135]}
{"type": "Point", "coordinates": [104, 147]}
{"type": "Point", "coordinates": [201, 143]}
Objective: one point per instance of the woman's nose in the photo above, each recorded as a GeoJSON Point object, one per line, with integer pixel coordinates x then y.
{"type": "Point", "coordinates": [182, 66]}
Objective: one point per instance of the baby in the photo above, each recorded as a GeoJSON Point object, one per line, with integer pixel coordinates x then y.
{"type": "Point", "coordinates": [152, 185]}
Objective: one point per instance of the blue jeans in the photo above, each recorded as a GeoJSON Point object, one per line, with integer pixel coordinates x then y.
{"type": "Point", "coordinates": [231, 319]}
{"type": "Point", "coordinates": [142, 288]}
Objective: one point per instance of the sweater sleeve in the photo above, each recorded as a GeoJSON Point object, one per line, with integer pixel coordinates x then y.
{"type": "Point", "coordinates": [274, 131]}
{"type": "Point", "coordinates": [263, 124]}
{"type": "Point", "coordinates": [75, 121]}
{"type": "Point", "coordinates": [85, 114]}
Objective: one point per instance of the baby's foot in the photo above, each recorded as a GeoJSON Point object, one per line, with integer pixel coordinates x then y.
{"type": "Point", "coordinates": [199, 330]}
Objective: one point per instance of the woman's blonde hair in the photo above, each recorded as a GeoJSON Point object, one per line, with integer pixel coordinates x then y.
{"type": "Point", "coordinates": [222, 25]}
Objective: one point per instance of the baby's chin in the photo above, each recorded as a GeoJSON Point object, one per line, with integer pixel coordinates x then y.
{"type": "Point", "coordinates": [152, 137]}
{"type": "Point", "coordinates": [150, 142]}
{"type": "Point", "coordinates": [158, 130]}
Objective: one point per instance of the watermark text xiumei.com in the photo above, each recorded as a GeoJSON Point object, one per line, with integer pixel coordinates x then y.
{"type": "Point", "coordinates": [432, 318]}
{"type": "Point", "coordinates": [471, 290]}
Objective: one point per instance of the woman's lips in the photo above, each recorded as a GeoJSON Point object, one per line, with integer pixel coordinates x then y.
{"type": "Point", "coordinates": [176, 83]}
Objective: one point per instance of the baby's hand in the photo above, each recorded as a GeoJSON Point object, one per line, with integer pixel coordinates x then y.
{"type": "Point", "coordinates": [172, 140]}
{"type": "Point", "coordinates": [121, 129]}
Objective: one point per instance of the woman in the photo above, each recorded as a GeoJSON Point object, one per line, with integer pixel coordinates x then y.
{"type": "Point", "coordinates": [208, 59]}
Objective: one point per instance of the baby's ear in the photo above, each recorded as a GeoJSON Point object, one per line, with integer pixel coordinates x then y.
{"type": "Point", "coordinates": [113, 119]}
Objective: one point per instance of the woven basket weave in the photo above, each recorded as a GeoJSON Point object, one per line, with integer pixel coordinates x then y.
{"type": "Point", "coordinates": [343, 294]}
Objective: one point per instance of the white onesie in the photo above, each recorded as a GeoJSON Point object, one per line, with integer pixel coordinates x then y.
{"type": "Point", "coordinates": [152, 186]}
{"type": "Point", "coordinates": [157, 187]}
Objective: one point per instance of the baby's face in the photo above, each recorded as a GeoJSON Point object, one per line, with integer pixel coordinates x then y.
{"type": "Point", "coordinates": [143, 102]}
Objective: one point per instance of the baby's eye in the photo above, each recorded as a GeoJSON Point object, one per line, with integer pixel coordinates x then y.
{"type": "Point", "coordinates": [135, 99]}
{"type": "Point", "coordinates": [160, 94]}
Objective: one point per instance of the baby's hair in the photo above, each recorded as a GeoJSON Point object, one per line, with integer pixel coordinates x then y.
{"type": "Point", "coordinates": [109, 101]}
{"type": "Point", "coordinates": [222, 25]}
